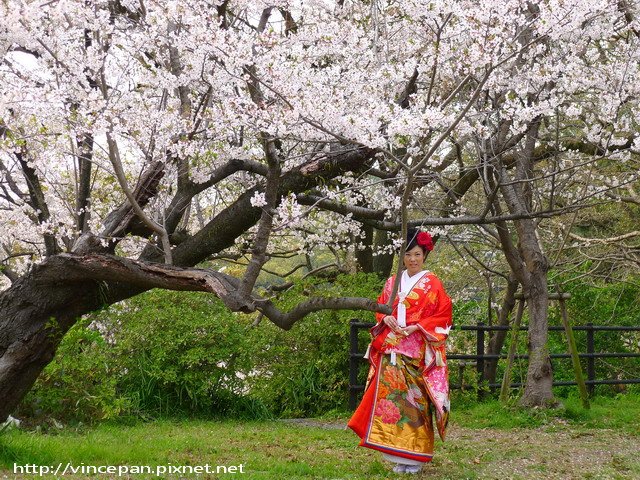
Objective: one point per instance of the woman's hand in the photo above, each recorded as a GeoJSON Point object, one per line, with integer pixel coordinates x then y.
{"type": "Point", "coordinates": [391, 322]}
{"type": "Point", "coordinates": [406, 331]}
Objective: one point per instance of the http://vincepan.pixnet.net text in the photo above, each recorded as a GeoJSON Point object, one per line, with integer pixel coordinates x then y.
{"type": "Point", "coordinates": [63, 469]}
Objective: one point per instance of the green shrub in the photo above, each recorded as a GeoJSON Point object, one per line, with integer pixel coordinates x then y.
{"type": "Point", "coordinates": [306, 369]}
{"type": "Point", "coordinates": [80, 384]}
{"type": "Point", "coordinates": [178, 352]}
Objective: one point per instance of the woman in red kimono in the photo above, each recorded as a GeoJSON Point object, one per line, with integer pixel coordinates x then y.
{"type": "Point", "coordinates": [408, 376]}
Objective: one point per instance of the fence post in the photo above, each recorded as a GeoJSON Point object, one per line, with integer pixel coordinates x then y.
{"type": "Point", "coordinates": [591, 362]}
{"type": "Point", "coordinates": [480, 359]}
{"type": "Point", "coordinates": [573, 350]}
{"type": "Point", "coordinates": [515, 330]}
{"type": "Point", "coordinates": [461, 367]}
{"type": "Point", "coordinates": [353, 362]}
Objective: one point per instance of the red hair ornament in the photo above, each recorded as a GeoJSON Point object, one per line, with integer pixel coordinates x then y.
{"type": "Point", "coordinates": [424, 240]}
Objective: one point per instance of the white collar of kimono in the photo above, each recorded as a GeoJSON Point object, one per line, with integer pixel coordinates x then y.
{"type": "Point", "coordinates": [408, 282]}
{"type": "Point", "coordinates": [406, 285]}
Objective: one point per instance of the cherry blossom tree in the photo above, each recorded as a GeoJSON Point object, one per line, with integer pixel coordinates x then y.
{"type": "Point", "coordinates": [141, 139]}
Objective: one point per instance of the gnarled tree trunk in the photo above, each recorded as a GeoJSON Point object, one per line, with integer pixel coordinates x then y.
{"type": "Point", "coordinates": [538, 388]}
{"type": "Point", "coordinates": [35, 317]}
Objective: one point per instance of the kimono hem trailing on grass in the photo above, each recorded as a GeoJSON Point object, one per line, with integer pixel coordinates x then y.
{"type": "Point", "coordinates": [408, 376]}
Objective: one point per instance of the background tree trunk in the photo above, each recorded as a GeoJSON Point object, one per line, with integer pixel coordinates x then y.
{"type": "Point", "coordinates": [530, 266]}
{"type": "Point", "coordinates": [364, 257]}
{"type": "Point", "coordinates": [383, 262]}
{"type": "Point", "coordinates": [496, 342]}
{"type": "Point", "coordinates": [538, 389]}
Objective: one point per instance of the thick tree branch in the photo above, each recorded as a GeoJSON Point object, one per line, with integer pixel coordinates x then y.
{"type": "Point", "coordinates": [287, 320]}
{"type": "Point", "coordinates": [146, 275]}
{"type": "Point", "coordinates": [38, 202]}
{"type": "Point", "coordinates": [223, 230]}
{"type": "Point", "coordinates": [12, 183]}
{"type": "Point", "coordinates": [80, 269]}
{"type": "Point", "coordinates": [183, 197]}
{"type": "Point", "coordinates": [85, 147]}
{"type": "Point", "coordinates": [123, 220]}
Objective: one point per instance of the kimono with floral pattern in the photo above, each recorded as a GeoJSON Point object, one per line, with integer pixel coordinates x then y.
{"type": "Point", "coordinates": [408, 376]}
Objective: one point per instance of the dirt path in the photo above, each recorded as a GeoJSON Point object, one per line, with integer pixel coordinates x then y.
{"type": "Point", "coordinates": [546, 452]}
{"type": "Point", "coordinates": [556, 451]}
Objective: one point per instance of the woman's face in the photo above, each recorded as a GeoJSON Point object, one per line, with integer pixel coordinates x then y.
{"type": "Point", "coordinates": [413, 260]}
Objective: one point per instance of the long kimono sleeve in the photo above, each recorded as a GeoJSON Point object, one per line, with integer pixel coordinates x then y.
{"type": "Point", "coordinates": [434, 322]}
{"type": "Point", "coordinates": [383, 298]}
{"type": "Point", "coordinates": [436, 318]}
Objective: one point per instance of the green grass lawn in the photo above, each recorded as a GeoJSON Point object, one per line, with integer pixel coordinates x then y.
{"type": "Point", "coordinates": [486, 441]}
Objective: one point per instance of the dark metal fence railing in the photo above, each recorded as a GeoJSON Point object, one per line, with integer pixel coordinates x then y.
{"type": "Point", "coordinates": [356, 356]}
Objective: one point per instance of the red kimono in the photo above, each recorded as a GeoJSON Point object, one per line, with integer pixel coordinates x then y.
{"type": "Point", "coordinates": [408, 376]}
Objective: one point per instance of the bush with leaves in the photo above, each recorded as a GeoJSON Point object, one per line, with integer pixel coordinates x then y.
{"type": "Point", "coordinates": [177, 351]}
{"type": "Point", "coordinates": [80, 384]}
{"type": "Point", "coordinates": [305, 371]}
